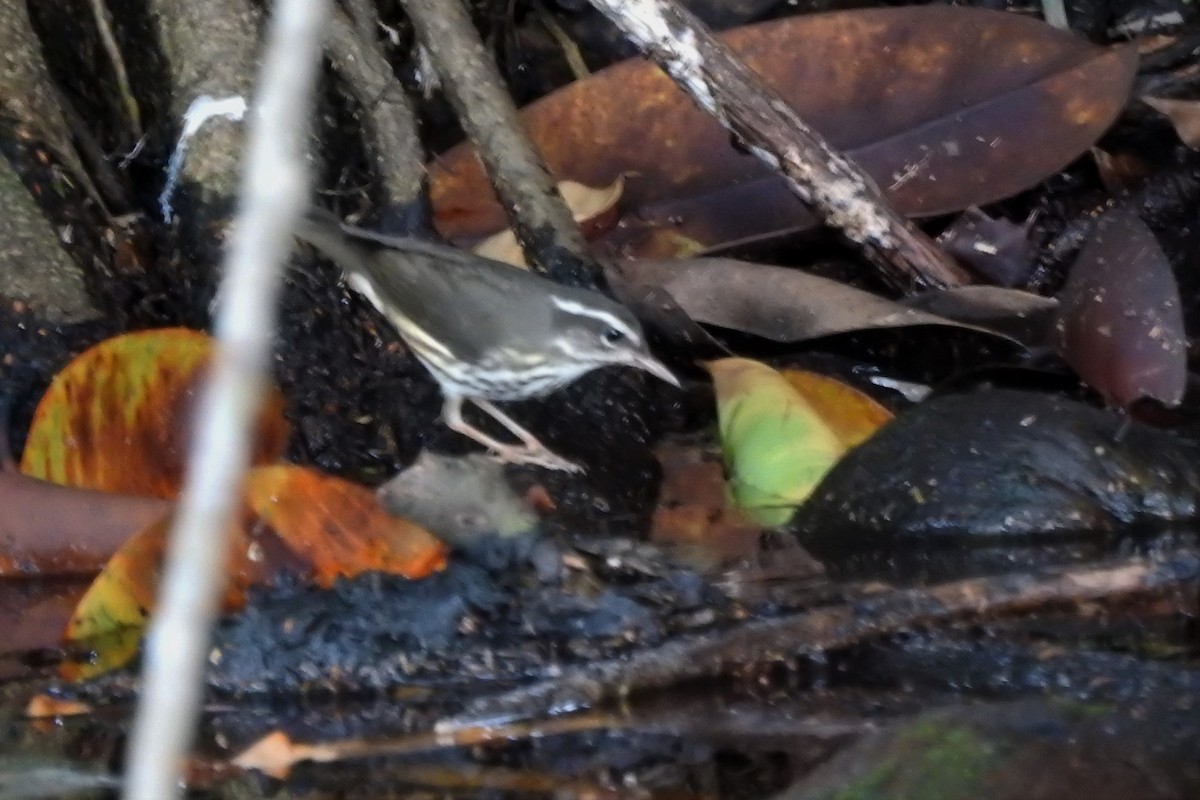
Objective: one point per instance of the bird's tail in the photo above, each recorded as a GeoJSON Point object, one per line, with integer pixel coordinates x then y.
{"type": "Point", "coordinates": [325, 232]}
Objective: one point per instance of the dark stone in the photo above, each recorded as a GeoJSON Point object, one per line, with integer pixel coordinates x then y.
{"type": "Point", "coordinates": [1004, 463]}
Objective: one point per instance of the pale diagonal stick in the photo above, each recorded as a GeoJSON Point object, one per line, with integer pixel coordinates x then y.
{"type": "Point", "coordinates": [274, 191]}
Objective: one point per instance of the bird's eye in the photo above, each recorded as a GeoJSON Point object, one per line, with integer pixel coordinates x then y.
{"type": "Point", "coordinates": [612, 335]}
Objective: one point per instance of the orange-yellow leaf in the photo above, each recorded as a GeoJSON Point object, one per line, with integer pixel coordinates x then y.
{"type": "Point", "coordinates": [118, 417]}
{"type": "Point", "coordinates": [337, 528]}
{"type": "Point", "coordinates": [112, 613]}
{"type": "Point", "coordinates": [295, 521]}
{"type": "Point", "coordinates": [851, 415]}
{"type": "Point", "coordinates": [42, 706]}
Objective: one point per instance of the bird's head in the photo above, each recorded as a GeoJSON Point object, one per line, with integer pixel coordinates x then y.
{"type": "Point", "coordinates": [599, 332]}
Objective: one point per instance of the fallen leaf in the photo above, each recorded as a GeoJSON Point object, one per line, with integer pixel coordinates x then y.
{"type": "Point", "coordinates": [1120, 172]}
{"type": "Point", "coordinates": [997, 249]}
{"type": "Point", "coordinates": [1121, 322]}
{"type": "Point", "coordinates": [275, 754]}
{"type": "Point", "coordinates": [777, 303]}
{"type": "Point", "coordinates": [850, 415]}
{"type": "Point", "coordinates": [112, 614]}
{"type": "Point", "coordinates": [42, 706]}
{"type": "Point", "coordinates": [1023, 316]}
{"type": "Point", "coordinates": [337, 528]}
{"type": "Point", "coordinates": [295, 522]}
{"type": "Point", "coordinates": [1183, 114]}
{"type": "Point", "coordinates": [946, 107]}
{"type": "Point", "coordinates": [777, 448]}
{"type": "Point", "coordinates": [52, 530]}
{"type": "Point", "coordinates": [694, 512]}
{"type": "Point", "coordinates": [118, 417]}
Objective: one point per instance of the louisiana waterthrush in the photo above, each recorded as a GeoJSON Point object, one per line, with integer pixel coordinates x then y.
{"type": "Point", "coordinates": [487, 331]}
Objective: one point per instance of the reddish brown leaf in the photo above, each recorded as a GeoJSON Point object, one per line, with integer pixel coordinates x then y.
{"type": "Point", "coordinates": [118, 417]}
{"type": "Point", "coordinates": [49, 529]}
{"type": "Point", "coordinates": [1121, 324]}
{"type": "Point", "coordinates": [947, 107]}
{"type": "Point", "coordinates": [32, 616]}
{"type": "Point", "coordinates": [693, 508]}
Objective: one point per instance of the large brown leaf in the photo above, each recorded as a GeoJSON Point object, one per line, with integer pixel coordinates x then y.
{"type": "Point", "coordinates": [789, 305]}
{"type": "Point", "coordinates": [946, 107]}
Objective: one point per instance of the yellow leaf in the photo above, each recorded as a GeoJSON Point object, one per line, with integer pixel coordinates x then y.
{"type": "Point", "coordinates": [851, 415]}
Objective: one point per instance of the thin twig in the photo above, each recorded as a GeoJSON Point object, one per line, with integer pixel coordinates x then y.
{"type": "Point", "coordinates": [109, 41]}
{"type": "Point", "coordinates": [845, 196]}
{"type": "Point", "coordinates": [274, 191]}
{"type": "Point", "coordinates": [714, 655]}
{"type": "Point", "coordinates": [549, 235]}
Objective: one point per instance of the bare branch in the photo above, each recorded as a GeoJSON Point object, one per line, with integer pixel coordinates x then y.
{"type": "Point", "coordinates": [717, 654]}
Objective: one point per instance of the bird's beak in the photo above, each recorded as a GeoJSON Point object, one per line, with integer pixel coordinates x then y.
{"type": "Point", "coordinates": [655, 368]}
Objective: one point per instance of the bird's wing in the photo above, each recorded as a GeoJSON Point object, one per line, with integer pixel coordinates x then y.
{"type": "Point", "coordinates": [465, 302]}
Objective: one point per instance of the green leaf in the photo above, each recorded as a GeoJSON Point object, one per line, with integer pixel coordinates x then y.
{"type": "Point", "coordinates": [777, 447]}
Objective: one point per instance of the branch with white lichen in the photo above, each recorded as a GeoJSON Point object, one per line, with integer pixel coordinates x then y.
{"type": "Point", "coordinates": [845, 196]}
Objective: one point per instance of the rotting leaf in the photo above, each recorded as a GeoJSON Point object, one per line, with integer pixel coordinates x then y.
{"type": "Point", "coordinates": [997, 249]}
{"type": "Point", "coordinates": [295, 522]}
{"type": "Point", "coordinates": [118, 417]}
{"type": "Point", "coordinates": [946, 107]}
{"type": "Point", "coordinates": [1120, 324]}
{"type": "Point", "coordinates": [777, 448]}
{"type": "Point", "coordinates": [1024, 316]}
{"type": "Point", "coordinates": [694, 512]}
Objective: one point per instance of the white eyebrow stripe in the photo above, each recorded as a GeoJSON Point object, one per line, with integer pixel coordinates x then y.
{"type": "Point", "coordinates": [573, 307]}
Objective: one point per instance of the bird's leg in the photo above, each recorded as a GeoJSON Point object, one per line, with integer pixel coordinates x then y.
{"type": "Point", "coordinates": [533, 451]}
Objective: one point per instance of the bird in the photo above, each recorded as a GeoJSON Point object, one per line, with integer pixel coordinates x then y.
{"type": "Point", "coordinates": [487, 331]}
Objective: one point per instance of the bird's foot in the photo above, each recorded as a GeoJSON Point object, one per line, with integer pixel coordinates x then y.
{"type": "Point", "coordinates": [535, 456]}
